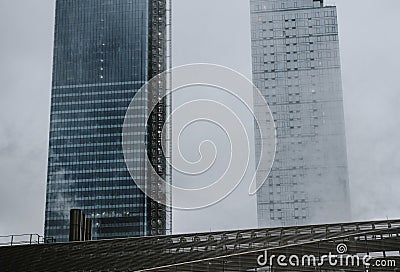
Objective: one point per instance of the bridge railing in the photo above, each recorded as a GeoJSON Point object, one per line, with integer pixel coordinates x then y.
{"type": "Point", "coordinates": [24, 239]}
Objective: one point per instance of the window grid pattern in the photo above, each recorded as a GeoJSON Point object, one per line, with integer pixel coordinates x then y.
{"type": "Point", "coordinates": [100, 62]}
{"type": "Point", "coordinates": [296, 65]}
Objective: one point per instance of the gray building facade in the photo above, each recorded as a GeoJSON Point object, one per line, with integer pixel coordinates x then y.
{"type": "Point", "coordinates": [104, 51]}
{"type": "Point", "coordinates": [296, 65]}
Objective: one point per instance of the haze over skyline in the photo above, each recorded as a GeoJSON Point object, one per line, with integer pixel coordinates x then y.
{"type": "Point", "coordinates": [215, 32]}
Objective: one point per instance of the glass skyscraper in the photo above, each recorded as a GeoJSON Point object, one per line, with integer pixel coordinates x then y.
{"type": "Point", "coordinates": [104, 51]}
{"type": "Point", "coordinates": [296, 65]}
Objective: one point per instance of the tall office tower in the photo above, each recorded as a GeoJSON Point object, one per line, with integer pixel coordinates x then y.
{"type": "Point", "coordinates": [104, 51]}
{"type": "Point", "coordinates": [296, 65]}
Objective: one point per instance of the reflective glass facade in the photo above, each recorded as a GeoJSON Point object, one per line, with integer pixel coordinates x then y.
{"type": "Point", "coordinates": [102, 55]}
{"type": "Point", "coordinates": [296, 65]}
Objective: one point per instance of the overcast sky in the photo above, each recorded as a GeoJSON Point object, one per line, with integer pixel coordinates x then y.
{"type": "Point", "coordinates": [215, 31]}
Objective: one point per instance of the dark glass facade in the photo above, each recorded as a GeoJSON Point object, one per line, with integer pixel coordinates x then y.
{"type": "Point", "coordinates": [102, 56]}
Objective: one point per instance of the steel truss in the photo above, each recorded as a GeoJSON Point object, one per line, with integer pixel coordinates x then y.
{"type": "Point", "coordinates": [159, 219]}
{"type": "Point", "coordinates": [216, 251]}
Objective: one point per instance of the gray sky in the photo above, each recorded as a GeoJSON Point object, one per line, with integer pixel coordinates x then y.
{"type": "Point", "coordinates": [215, 31]}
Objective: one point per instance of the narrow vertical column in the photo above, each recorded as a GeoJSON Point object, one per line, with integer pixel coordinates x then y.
{"type": "Point", "coordinates": [76, 225]}
{"type": "Point", "coordinates": [88, 229]}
